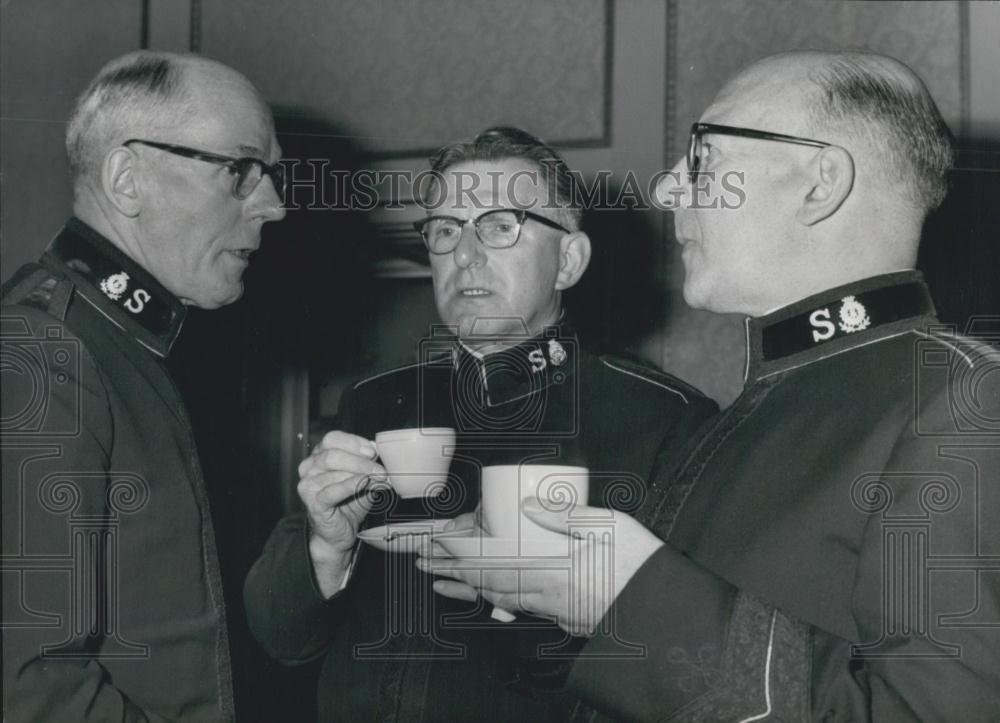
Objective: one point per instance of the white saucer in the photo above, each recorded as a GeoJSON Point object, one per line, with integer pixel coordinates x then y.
{"type": "Point", "coordinates": [500, 548]}
{"type": "Point", "coordinates": [407, 536]}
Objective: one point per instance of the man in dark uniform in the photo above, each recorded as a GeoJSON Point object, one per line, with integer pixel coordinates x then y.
{"type": "Point", "coordinates": [832, 543]}
{"type": "Point", "coordinates": [112, 599]}
{"type": "Point", "coordinates": [503, 233]}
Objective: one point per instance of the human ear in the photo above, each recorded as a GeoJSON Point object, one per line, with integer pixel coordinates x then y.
{"type": "Point", "coordinates": [574, 256]}
{"type": "Point", "coordinates": [832, 178]}
{"type": "Point", "coordinates": [118, 181]}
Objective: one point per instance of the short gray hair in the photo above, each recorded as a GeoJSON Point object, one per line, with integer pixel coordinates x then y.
{"type": "Point", "coordinates": [882, 100]}
{"type": "Point", "coordinates": [129, 95]}
{"type": "Point", "coordinates": [501, 143]}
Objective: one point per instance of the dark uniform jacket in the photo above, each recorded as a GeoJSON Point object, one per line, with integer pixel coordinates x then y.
{"type": "Point", "coordinates": [834, 539]}
{"type": "Point", "coordinates": [112, 602]}
{"type": "Point", "coordinates": [393, 649]}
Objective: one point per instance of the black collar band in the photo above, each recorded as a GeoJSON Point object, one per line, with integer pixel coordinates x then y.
{"type": "Point", "coordinates": [121, 289]}
{"type": "Point", "coordinates": [516, 371]}
{"type": "Point", "coordinates": [839, 318]}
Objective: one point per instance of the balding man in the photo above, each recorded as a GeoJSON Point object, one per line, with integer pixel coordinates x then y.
{"type": "Point", "coordinates": [112, 600]}
{"type": "Point", "coordinates": [832, 543]}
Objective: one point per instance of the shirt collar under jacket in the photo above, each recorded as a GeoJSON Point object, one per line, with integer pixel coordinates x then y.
{"type": "Point", "coordinates": [515, 371]}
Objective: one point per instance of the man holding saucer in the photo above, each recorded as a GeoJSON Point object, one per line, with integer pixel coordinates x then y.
{"type": "Point", "coordinates": [504, 239]}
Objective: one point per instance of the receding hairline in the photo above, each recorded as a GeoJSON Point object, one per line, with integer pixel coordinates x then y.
{"type": "Point", "coordinates": [143, 92]}
{"type": "Point", "coordinates": [799, 71]}
{"type": "Point", "coordinates": [874, 105]}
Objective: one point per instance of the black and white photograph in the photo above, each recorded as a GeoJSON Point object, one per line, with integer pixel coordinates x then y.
{"type": "Point", "coordinates": [426, 361]}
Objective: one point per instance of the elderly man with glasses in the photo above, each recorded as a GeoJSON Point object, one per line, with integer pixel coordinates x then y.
{"type": "Point", "coordinates": [503, 235]}
{"type": "Point", "coordinates": [112, 598]}
{"type": "Point", "coordinates": [829, 550]}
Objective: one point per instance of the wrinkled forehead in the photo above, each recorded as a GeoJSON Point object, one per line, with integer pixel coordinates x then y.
{"type": "Point", "coordinates": [472, 186]}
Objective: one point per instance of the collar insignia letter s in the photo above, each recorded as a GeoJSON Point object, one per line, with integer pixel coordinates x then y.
{"type": "Point", "coordinates": [853, 315]}
{"type": "Point", "coordinates": [537, 360]}
{"type": "Point", "coordinates": [115, 285]}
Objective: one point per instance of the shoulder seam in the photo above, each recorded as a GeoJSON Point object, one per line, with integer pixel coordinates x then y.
{"type": "Point", "coordinates": [387, 373]}
{"type": "Point", "coordinates": [646, 379]}
{"type": "Point", "coordinates": [950, 344]}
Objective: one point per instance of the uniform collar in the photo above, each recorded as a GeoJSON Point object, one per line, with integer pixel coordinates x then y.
{"type": "Point", "coordinates": [836, 320]}
{"type": "Point", "coordinates": [124, 292]}
{"type": "Point", "coordinates": [518, 370]}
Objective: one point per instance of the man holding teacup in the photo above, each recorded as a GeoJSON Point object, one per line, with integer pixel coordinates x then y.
{"type": "Point", "coordinates": [514, 389]}
{"type": "Point", "coordinates": [828, 551]}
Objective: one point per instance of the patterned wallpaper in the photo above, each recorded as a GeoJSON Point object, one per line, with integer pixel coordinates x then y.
{"type": "Point", "coordinates": [710, 40]}
{"type": "Point", "coordinates": [715, 38]}
{"type": "Point", "coordinates": [404, 76]}
{"type": "Point", "coordinates": [401, 76]}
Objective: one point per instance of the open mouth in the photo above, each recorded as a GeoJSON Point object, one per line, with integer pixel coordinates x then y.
{"type": "Point", "coordinates": [474, 292]}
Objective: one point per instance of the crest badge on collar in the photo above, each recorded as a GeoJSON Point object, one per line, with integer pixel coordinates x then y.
{"type": "Point", "coordinates": [557, 354]}
{"type": "Point", "coordinates": [853, 315]}
{"type": "Point", "coordinates": [115, 285]}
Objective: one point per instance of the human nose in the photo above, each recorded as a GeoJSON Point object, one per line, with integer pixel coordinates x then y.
{"type": "Point", "coordinates": [673, 187]}
{"type": "Point", "coordinates": [267, 202]}
{"type": "Point", "coordinates": [469, 251]}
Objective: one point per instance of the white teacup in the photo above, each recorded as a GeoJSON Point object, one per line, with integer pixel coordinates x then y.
{"type": "Point", "coordinates": [557, 487]}
{"type": "Point", "coordinates": [417, 459]}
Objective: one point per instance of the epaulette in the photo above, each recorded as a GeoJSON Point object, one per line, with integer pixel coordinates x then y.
{"type": "Point", "coordinates": [35, 286]}
{"type": "Point", "coordinates": [406, 367]}
{"type": "Point", "coordinates": [652, 375]}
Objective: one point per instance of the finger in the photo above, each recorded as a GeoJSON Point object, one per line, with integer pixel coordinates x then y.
{"type": "Point", "coordinates": [466, 521]}
{"type": "Point", "coordinates": [447, 568]}
{"type": "Point", "coordinates": [504, 580]}
{"type": "Point", "coordinates": [334, 493]}
{"type": "Point", "coordinates": [339, 460]}
{"type": "Point", "coordinates": [558, 518]}
{"type": "Point", "coordinates": [456, 590]}
{"type": "Point", "coordinates": [361, 505]}
{"type": "Point", "coordinates": [349, 443]}
{"type": "Point", "coordinates": [526, 602]}
{"type": "Point", "coordinates": [316, 480]}
{"type": "Point", "coordinates": [435, 550]}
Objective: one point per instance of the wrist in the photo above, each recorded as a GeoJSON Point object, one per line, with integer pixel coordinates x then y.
{"type": "Point", "coordinates": [330, 565]}
{"type": "Point", "coordinates": [327, 553]}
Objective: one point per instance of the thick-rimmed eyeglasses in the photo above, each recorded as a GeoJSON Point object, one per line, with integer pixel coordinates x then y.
{"type": "Point", "coordinates": [248, 171]}
{"type": "Point", "coordinates": [695, 150]}
{"type": "Point", "coordinates": [499, 229]}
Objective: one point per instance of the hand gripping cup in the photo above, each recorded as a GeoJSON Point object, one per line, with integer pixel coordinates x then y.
{"type": "Point", "coordinates": [559, 488]}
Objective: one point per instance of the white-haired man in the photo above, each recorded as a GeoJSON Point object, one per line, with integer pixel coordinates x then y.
{"type": "Point", "coordinates": [112, 599]}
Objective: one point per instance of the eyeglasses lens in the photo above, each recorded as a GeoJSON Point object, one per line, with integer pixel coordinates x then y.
{"type": "Point", "coordinates": [498, 229]}
{"type": "Point", "coordinates": [694, 154]}
{"type": "Point", "coordinates": [250, 173]}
